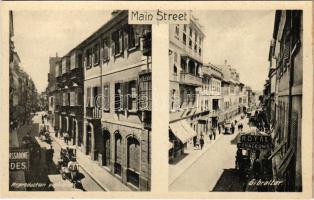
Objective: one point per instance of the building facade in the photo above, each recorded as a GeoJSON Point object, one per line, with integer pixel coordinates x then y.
{"type": "Point", "coordinates": [68, 97]}
{"type": "Point", "coordinates": [117, 110]}
{"type": "Point", "coordinates": [286, 52]}
{"type": "Point", "coordinates": [186, 60]}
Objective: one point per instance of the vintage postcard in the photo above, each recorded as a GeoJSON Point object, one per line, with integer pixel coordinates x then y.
{"type": "Point", "coordinates": [156, 100]}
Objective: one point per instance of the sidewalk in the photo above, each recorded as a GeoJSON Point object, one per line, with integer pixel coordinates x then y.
{"type": "Point", "coordinates": [99, 174]}
{"type": "Point", "coordinates": [194, 154]}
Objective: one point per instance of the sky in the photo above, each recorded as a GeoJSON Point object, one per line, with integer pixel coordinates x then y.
{"type": "Point", "coordinates": [38, 35]}
{"type": "Point", "coordinates": [240, 37]}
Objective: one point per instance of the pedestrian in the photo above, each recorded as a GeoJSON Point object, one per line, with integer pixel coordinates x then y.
{"type": "Point", "coordinates": [202, 142]}
{"type": "Point", "coordinates": [194, 141]}
{"type": "Point", "coordinates": [210, 135]}
{"type": "Point", "coordinates": [232, 128]}
{"type": "Point", "coordinates": [66, 137]}
{"type": "Point", "coordinates": [256, 168]}
{"type": "Point", "coordinates": [219, 129]}
{"type": "Point", "coordinates": [214, 133]}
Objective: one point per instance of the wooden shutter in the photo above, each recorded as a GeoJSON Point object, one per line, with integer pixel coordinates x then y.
{"type": "Point", "coordinates": [126, 35]}
{"type": "Point", "coordinates": [120, 41]}
{"type": "Point", "coordinates": [113, 43]}
{"type": "Point", "coordinates": [136, 35]}
{"type": "Point", "coordinates": [124, 95]}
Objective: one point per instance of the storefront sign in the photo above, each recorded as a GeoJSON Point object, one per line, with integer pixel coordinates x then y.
{"type": "Point", "coordinates": [18, 159]}
{"type": "Point", "coordinates": [254, 142]}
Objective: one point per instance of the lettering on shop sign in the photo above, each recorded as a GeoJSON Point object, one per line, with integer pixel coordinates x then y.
{"type": "Point", "coordinates": [254, 142]}
{"type": "Point", "coordinates": [18, 159]}
{"type": "Point", "coordinates": [159, 16]}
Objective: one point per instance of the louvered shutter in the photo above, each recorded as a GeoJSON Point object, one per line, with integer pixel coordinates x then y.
{"type": "Point", "coordinates": [136, 35]}
{"type": "Point", "coordinates": [120, 41]}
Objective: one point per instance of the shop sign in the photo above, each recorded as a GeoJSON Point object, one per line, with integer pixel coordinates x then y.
{"type": "Point", "coordinates": [18, 159]}
{"type": "Point", "coordinates": [254, 142]}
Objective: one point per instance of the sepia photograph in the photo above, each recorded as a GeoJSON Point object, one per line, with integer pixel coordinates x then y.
{"type": "Point", "coordinates": [235, 101]}
{"type": "Point", "coordinates": [80, 101]}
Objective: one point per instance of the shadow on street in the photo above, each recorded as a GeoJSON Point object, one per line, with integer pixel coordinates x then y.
{"type": "Point", "coordinates": [230, 180]}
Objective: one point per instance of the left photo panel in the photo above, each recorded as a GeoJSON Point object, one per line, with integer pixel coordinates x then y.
{"type": "Point", "coordinates": [80, 101]}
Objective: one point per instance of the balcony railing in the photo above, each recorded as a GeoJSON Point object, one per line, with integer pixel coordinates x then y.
{"type": "Point", "coordinates": [190, 79]}
{"type": "Point", "coordinates": [93, 112]}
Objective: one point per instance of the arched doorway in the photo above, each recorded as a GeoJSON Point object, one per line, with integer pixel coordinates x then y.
{"type": "Point", "coordinates": [88, 145]}
{"type": "Point", "coordinates": [133, 161]}
{"type": "Point", "coordinates": [118, 153]}
{"type": "Point", "coordinates": [106, 153]}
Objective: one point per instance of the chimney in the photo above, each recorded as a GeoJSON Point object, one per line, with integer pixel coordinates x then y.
{"type": "Point", "coordinates": [114, 13]}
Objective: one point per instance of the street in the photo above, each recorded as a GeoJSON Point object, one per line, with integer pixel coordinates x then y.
{"type": "Point", "coordinates": [52, 176]}
{"type": "Point", "coordinates": [213, 170]}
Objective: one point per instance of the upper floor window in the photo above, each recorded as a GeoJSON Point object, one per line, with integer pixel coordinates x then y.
{"type": "Point", "coordinates": [96, 54]}
{"type": "Point", "coordinates": [177, 30]}
{"type": "Point", "coordinates": [88, 58]}
{"type": "Point", "coordinates": [175, 57]}
{"type": "Point", "coordinates": [184, 39]}
{"type": "Point", "coordinates": [200, 51]}
{"type": "Point", "coordinates": [184, 27]}
{"type": "Point", "coordinates": [106, 99]}
{"type": "Point", "coordinates": [195, 37]}
{"type": "Point", "coordinates": [190, 43]}
{"type": "Point", "coordinates": [79, 60]}
{"type": "Point", "coordinates": [191, 32]}
{"type": "Point", "coordinates": [117, 42]}
{"type": "Point", "coordinates": [105, 45]}
{"type": "Point", "coordinates": [131, 37]}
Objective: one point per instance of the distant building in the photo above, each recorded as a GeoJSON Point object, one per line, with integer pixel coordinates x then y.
{"type": "Point", "coordinates": [286, 82]}
{"type": "Point", "coordinates": [51, 88]}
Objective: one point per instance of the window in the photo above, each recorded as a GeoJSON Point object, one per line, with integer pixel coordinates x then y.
{"type": "Point", "coordinates": [175, 57]}
{"type": "Point", "coordinates": [96, 54]}
{"type": "Point", "coordinates": [191, 32]}
{"type": "Point", "coordinates": [177, 30]}
{"type": "Point", "coordinates": [184, 27]}
{"type": "Point", "coordinates": [118, 98]}
{"type": "Point", "coordinates": [88, 97]}
{"type": "Point", "coordinates": [131, 37]}
{"type": "Point", "coordinates": [88, 59]}
{"type": "Point", "coordinates": [195, 48]}
{"type": "Point", "coordinates": [132, 95]}
{"type": "Point", "coordinates": [68, 99]}
{"type": "Point", "coordinates": [190, 43]}
{"type": "Point", "coordinates": [200, 51]}
{"type": "Point", "coordinates": [117, 42]}
{"type": "Point", "coordinates": [175, 71]}
{"type": "Point", "coordinates": [195, 37]}
{"type": "Point", "coordinates": [184, 39]}
{"type": "Point", "coordinates": [145, 92]}
{"type": "Point", "coordinates": [106, 97]}
{"type": "Point", "coordinates": [80, 60]}
{"type": "Point", "coordinates": [105, 44]}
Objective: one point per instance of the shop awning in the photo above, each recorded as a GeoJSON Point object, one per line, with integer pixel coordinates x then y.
{"type": "Point", "coordinates": [181, 130]}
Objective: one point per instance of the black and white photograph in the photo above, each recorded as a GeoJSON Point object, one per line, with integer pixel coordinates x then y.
{"type": "Point", "coordinates": [80, 100]}
{"type": "Point", "coordinates": [235, 101]}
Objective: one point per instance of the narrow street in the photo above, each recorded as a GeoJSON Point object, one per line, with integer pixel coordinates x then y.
{"type": "Point", "coordinates": [53, 175]}
{"type": "Point", "coordinates": [213, 170]}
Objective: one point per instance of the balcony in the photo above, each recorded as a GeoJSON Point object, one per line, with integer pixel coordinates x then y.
{"type": "Point", "coordinates": [93, 113]}
{"type": "Point", "coordinates": [190, 79]}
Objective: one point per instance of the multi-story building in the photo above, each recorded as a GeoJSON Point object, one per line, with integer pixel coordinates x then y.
{"type": "Point", "coordinates": [68, 97]}
{"type": "Point", "coordinates": [186, 60]}
{"type": "Point", "coordinates": [287, 51]}
{"type": "Point", "coordinates": [117, 110]}
{"type": "Point", "coordinates": [211, 94]}
{"type": "Point", "coordinates": [51, 88]}
{"type": "Point", "coordinates": [104, 96]}
{"type": "Point", "coordinates": [231, 88]}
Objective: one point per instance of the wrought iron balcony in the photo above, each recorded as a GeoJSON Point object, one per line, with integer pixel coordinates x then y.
{"type": "Point", "coordinates": [93, 112]}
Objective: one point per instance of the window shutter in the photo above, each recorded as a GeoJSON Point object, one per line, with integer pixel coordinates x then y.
{"type": "Point", "coordinates": [126, 39]}
{"type": "Point", "coordinates": [88, 97]}
{"type": "Point", "coordinates": [136, 36]}
{"type": "Point", "coordinates": [98, 103]}
{"type": "Point", "coordinates": [120, 41]}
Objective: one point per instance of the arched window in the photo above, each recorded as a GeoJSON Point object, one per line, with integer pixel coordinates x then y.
{"type": "Point", "coordinates": [118, 154]}
{"type": "Point", "coordinates": [133, 160]}
{"type": "Point", "coordinates": [106, 153]}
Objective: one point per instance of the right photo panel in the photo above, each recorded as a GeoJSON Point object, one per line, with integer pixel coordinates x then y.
{"type": "Point", "coordinates": [235, 101]}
